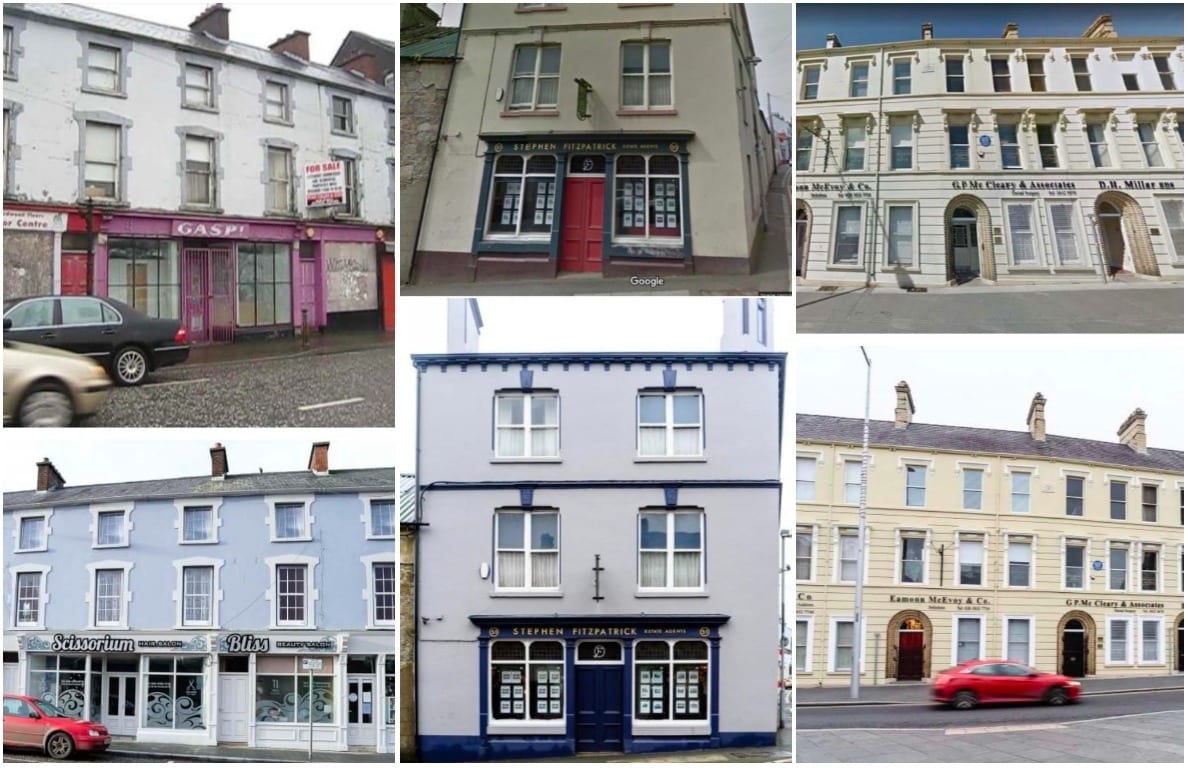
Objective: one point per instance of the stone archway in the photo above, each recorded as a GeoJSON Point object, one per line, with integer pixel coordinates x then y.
{"type": "Point", "coordinates": [892, 662]}
{"type": "Point", "coordinates": [804, 233]}
{"type": "Point", "coordinates": [1134, 228]}
{"type": "Point", "coordinates": [984, 236]}
{"type": "Point", "coordinates": [1090, 627]}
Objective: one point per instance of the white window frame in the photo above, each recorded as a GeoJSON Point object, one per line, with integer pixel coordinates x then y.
{"type": "Point", "coordinates": [216, 593]}
{"type": "Point", "coordinates": [1160, 638]}
{"type": "Point", "coordinates": [846, 464]}
{"type": "Point", "coordinates": [647, 75]}
{"type": "Point", "coordinates": [847, 147]}
{"type": "Point", "coordinates": [671, 726]}
{"type": "Point", "coordinates": [670, 553]}
{"type": "Point", "coordinates": [1086, 479]}
{"type": "Point", "coordinates": [91, 597]}
{"type": "Point", "coordinates": [1109, 569]}
{"type": "Point", "coordinates": [1006, 560]}
{"type": "Point", "coordinates": [959, 121]}
{"type": "Point", "coordinates": [1011, 121]}
{"type": "Point", "coordinates": [118, 72]}
{"type": "Point", "coordinates": [969, 466]}
{"type": "Point", "coordinates": [900, 535]}
{"type": "Point", "coordinates": [365, 499]}
{"type": "Point", "coordinates": [18, 520]}
{"type": "Point", "coordinates": [179, 521]}
{"type": "Point", "coordinates": [1103, 124]}
{"type": "Point", "coordinates": [981, 619]}
{"type": "Point", "coordinates": [535, 103]}
{"type": "Point", "coordinates": [1013, 261]}
{"type": "Point", "coordinates": [1159, 566]}
{"type": "Point", "coordinates": [1009, 75]}
{"type": "Point", "coordinates": [804, 82]}
{"type": "Point", "coordinates": [814, 548]}
{"type": "Point", "coordinates": [311, 592]}
{"type": "Point", "coordinates": [1055, 145]}
{"type": "Point", "coordinates": [1143, 484]}
{"type": "Point", "coordinates": [957, 536]}
{"type": "Point", "coordinates": [834, 231]}
{"type": "Point", "coordinates": [43, 597]}
{"type": "Point", "coordinates": [1079, 248]}
{"type": "Point", "coordinates": [1011, 475]}
{"type": "Point", "coordinates": [1082, 56]}
{"type": "Point", "coordinates": [802, 130]}
{"type": "Point", "coordinates": [1138, 136]}
{"type": "Point", "coordinates": [924, 470]}
{"type": "Point", "coordinates": [1086, 545]}
{"type": "Point", "coordinates": [1160, 200]}
{"type": "Point", "coordinates": [526, 426]}
{"type": "Point", "coordinates": [116, 164]}
{"type": "Point", "coordinates": [369, 562]}
{"type": "Point", "coordinates": [914, 248]}
{"type": "Point", "coordinates": [1127, 481]}
{"type": "Point", "coordinates": [808, 651]}
{"type": "Point", "coordinates": [527, 550]}
{"type": "Point", "coordinates": [1042, 74]}
{"type": "Point", "coordinates": [305, 500]}
{"type": "Point", "coordinates": [960, 58]}
{"type": "Point", "coordinates": [817, 459]}
{"type": "Point", "coordinates": [669, 424]}
{"type": "Point", "coordinates": [853, 65]}
{"type": "Point", "coordinates": [285, 103]}
{"type": "Point", "coordinates": [900, 121]}
{"type": "Point", "coordinates": [126, 527]}
{"type": "Point", "coordinates": [894, 79]}
{"type": "Point", "coordinates": [209, 88]}
{"type": "Point", "coordinates": [349, 130]}
{"type": "Point", "coordinates": [1006, 620]}
{"type": "Point", "coordinates": [836, 533]}
{"type": "Point", "coordinates": [1109, 640]}
{"type": "Point", "coordinates": [860, 644]}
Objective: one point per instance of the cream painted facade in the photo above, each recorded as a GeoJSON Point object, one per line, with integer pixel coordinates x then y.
{"type": "Point", "coordinates": [914, 597]}
{"type": "Point", "coordinates": [697, 154]}
{"type": "Point", "coordinates": [929, 161]}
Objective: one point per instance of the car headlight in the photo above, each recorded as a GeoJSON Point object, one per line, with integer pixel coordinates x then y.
{"type": "Point", "coordinates": [93, 732]}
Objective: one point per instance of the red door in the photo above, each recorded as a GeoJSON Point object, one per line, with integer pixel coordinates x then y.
{"type": "Point", "coordinates": [388, 277]}
{"type": "Point", "coordinates": [581, 225]}
{"type": "Point", "coordinates": [74, 274]}
{"type": "Point", "coordinates": [911, 654]}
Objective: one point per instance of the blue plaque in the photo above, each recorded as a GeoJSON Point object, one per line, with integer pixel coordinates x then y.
{"type": "Point", "coordinates": [1098, 565]}
{"type": "Point", "coordinates": [984, 140]}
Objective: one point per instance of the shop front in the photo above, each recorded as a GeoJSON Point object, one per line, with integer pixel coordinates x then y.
{"type": "Point", "coordinates": [46, 251]}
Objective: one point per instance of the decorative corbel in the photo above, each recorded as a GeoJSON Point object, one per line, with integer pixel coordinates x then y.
{"type": "Point", "coordinates": [1066, 55]}
{"type": "Point", "coordinates": [974, 122]}
{"type": "Point", "coordinates": [1080, 113]}
{"type": "Point", "coordinates": [971, 56]}
{"type": "Point", "coordinates": [1113, 122]}
{"type": "Point", "coordinates": [1019, 55]}
{"type": "Point", "coordinates": [870, 124]}
{"type": "Point", "coordinates": [917, 56]}
{"type": "Point", "coordinates": [846, 64]}
{"type": "Point", "coordinates": [944, 121]}
{"type": "Point", "coordinates": [1145, 55]}
{"type": "Point", "coordinates": [994, 122]}
{"type": "Point", "coordinates": [1096, 56]}
{"type": "Point", "coordinates": [986, 56]}
{"type": "Point", "coordinates": [1062, 122]}
{"type": "Point", "coordinates": [887, 124]}
{"type": "Point", "coordinates": [1052, 56]}
{"type": "Point", "coordinates": [916, 122]}
{"type": "Point", "coordinates": [1180, 54]}
{"type": "Point", "coordinates": [645, 30]}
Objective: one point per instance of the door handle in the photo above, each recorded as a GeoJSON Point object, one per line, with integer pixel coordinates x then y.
{"type": "Point", "coordinates": [49, 335]}
{"type": "Point", "coordinates": [108, 332]}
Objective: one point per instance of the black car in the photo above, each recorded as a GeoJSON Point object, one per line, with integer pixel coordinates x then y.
{"type": "Point", "coordinates": [127, 342]}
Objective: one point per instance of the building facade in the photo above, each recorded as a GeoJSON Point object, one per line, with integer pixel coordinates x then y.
{"type": "Point", "coordinates": [624, 169]}
{"type": "Point", "coordinates": [181, 610]}
{"type": "Point", "coordinates": [591, 569]}
{"type": "Point", "coordinates": [1060, 553]}
{"type": "Point", "coordinates": [929, 161]}
{"type": "Point", "coordinates": [193, 177]}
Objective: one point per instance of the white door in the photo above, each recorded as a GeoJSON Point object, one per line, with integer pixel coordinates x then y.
{"type": "Point", "coordinates": [233, 707]}
{"type": "Point", "coordinates": [119, 707]}
{"type": "Point", "coordinates": [362, 711]}
{"type": "Point", "coordinates": [965, 247]}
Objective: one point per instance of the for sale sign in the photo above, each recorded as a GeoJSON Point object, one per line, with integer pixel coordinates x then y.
{"type": "Point", "coordinates": [325, 184]}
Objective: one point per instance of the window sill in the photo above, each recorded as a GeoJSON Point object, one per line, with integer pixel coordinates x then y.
{"type": "Point", "coordinates": [23, 627]}
{"type": "Point", "coordinates": [106, 627]}
{"type": "Point", "coordinates": [900, 271]}
{"type": "Point", "coordinates": [106, 201]}
{"type": "Point", "coordinates": [191, 543]}
{"type": "Point", "coordinates": [524, 593]}
{"type": "Point", "coordinates": [670, 593]}
{"type": "Point", "coordinates": [274, 625]}
{"type": "Point", "coordinates": [530, 113]}
{"type": "Point", "coordinates": [196, 208]}
{"type": "Point", "coordinates": [101, 92]}
{"type": "Point", "coordinates": [110, 546]}
{"type": "Point", "coordinates": [696, 728]}
{"type": "Point", "coordinates": [671, 459]}
{"type": "Point", "coordinates": [194, 628]}
{"type": "Point", "coordinates": [348, 134]}
{"type": "Point", "coordinates": [278, 121]}
{"type": "Point", "coordinates": [201, 108]}
{"type": "Point", "coordinates": [528, 460]}
{"type": "Point", "coordinates": [525, 729]}
{"type": "Point", "coordinates": [29, 551]}
{"type": "Point", "coordinates": [844, 268]}
{"type": "Point", "coordinates": [645, 112]}
{"type": "Point", "coordinates": [389, 537]}
{"type": "Point", "coordinates": [288, 541]}
{"type": "Point", "coordinates": [540, 8]}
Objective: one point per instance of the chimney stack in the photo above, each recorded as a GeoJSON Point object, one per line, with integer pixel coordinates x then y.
{"type": "Point", "coordinates": [215, 21]}
{"type": "Point", "coordinates": [1133, 431]}
{"type": "Point", "coordinates": [1011, 32]}
{"type": "Point", "coordinates": [926, 30]}
{"type": "Point", "coordinates": [831, 41]}
{"type": "Point", "coordinates": [319, 458]}
{"type": "Point", "coordinates": [1035, 418]}
{"type": "Point", "coordinates": [1102, 27]}
{"type": "Point", "coordinates": [218, 462]}
{"type": "Point", "coordinates": [904, 407]}
{"type": "Point", "coordinates": [48, 477]}
{"type": "Point", "coordinates": [296, 43]}
{"type": "Point", "coordinates": [363, 63]}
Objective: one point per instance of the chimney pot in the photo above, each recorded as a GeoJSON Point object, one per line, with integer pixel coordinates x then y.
{"type": "Point", "coordinates": [296, 43]}
{"type": "Point", "coordinates": [1133, 431]}
{"type": "Point", "coordinates": [48, 477]}
{"type": "Point", "coordinates": [1036, 423]}
{"type": "Point", "coordinates": [319, 458]}
{"type": "Point", "coordinates": [904, 407]}
{"type": "Point", "coordinates": [218, 462]}
{"type": "Point", "coordinates": [926, 30]}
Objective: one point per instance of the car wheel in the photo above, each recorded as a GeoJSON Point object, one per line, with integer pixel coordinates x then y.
{"type": "Point", "coordinates": [59, 746]}
{"type": "Point", "coordinates": [46, 405]}
{"type": "Point", "coordinates": [129, 366]}
{"type": "Point", "coordinates": [965, 700]}
{"type": "Point", "coordinates": [1056, 697]}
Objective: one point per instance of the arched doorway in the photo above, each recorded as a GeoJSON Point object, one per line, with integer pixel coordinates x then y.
{"type": "Point", "coordinates": [1180, 643]}
{"type": "Point", "coordinates": [803, 232]}
{"type": "Point", "coordinates": [1123, 238]}
{"type": "Point", "coordinates": [909, 637]}
{"type": "Point", "coordinates": [1076, 641]}
{"type": "Point", "coordinates": [969, 248]}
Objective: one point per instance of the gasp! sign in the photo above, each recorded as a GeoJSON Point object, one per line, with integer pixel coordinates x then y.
{"type": "Point", "coordinates": [209, 229]}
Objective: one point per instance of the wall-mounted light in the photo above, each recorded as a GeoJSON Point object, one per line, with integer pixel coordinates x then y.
{"type": "Point", "coordinates": [484, 570]}
{"type": "Point", "coordinates": [499, 94]}
{"type": "Point", "coordinates": [310, 232]}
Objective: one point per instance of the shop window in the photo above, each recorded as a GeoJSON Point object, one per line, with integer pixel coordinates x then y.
{"type": "Point", "coordinates": [390, 690]}
{"type": "Point", "coordinates": [1117, 499]}
{"type": "Point", "coordinates": [284, 693]}
{"type": "Point", "coordinates": [804, 553]}
{"type": "Point", "coordinates": [1019, 561]}
{"type": "Point", "coordinates": [104, 71]}
{"type": "Point", "coordinates": [901, 76]}
{"type": "Point", "coordinates": [669, 424]}
{"type": "Point", "coordinates": [522, 195]}
{"type": "Point", "coordinates": [900, 236]}
{"type": "Point", "coordinates": [1045, 135]}
{"type": "Point", "coordinates": [536, 71]}
{"type": "Point", "coordinates": [806, 478]}
{"type": "Point", "coordinates": [1173, 216]}
{"type": "Point", "coordinates": [199, 87]}
{"type": "Point", "coordinates": [59, 681]}
{"type": "Point", "coordinates": [847, 555]}
{"type": "Point", "coordinates": [383, 588]}
{"type": "Point", "coordinates": [1074, 496]}
{"type": "Point", "coordinates": [101, 170]}
{"type": "Point", "coordinates": [959, 146]}
{"type": "Point", "coordinates": [528, 549]}
{"type": "Point", "coordinates": [647, 196]}
{"type": "Point", "coordinates": [265, 285]}
{"type": "Point", "coordinates": [671, 550]}
{"type": "Point", "coordinates": [1150, 503]}
{"type": "Point", "coordinates": [954, 74]}
{"type": "Point", "coordinates": [280, 180]}
{"type": "Point", "coordinates": [342, 115]}
{"type": "Point", "coordinates": [1021, 491]}
{"type": "Point", "coordinates": [1020, 223]}
{"type": "Point", "coordinates": [1080, 68]}
{"type": "Point", "coordinates": [527, 680]}
{"type": "Point", "coordinates": [859, 79]}
{"type": "Point", "coordinates": [1000, 71]}
{"type": "Point", "coordinates": [671, 680]}
{"type": "Point", "coordinates": [1118, 640]}
{"type": "Point", "coordinates": [855, 149]}
{"type": "Point", "coordinates": [1035, 74]}
{"type": "Point", "coordinates": [1118, 565]}
{"type": "Point", "coordinates": [901, 143]}
{"type": "Point", "coordinates": [527, 425]}
{"type": "Point", "coordinates": [848, 236]}
{"type": "Point", "coordinates": [200, 175]}
{"type": "Point", "coordinates": [1166, 78]}
{"type": "Point", "coordinates": [810, 83]}
{"type": "Point", "coordinates": [33, 533]}
{"type": "Point", "coordinates": [971, 491]}
{"type": "Point", "coordinates": [277, 106]}
{"type": "Point", "coordinates": [852, 481]}
{"type": "Point", "coordinates": [804, 149]}
{"type": "Point", "coordinates": [647, 75]}
{"type": "Point", "coordinates": [916, 481]}
{"type": "Point", "coordinates": [1074, 565]}
{"type": "Point", "coordinates": [971, 555]}
{"type": "Point", "coordinates": [143, 274]}
{"type": "Point", "coordinates": [1008, 144]}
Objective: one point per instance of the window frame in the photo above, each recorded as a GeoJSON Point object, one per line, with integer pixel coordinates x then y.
{"type": "Point", "coordinates": [179, 522]}
{"type": "Point", "coordinates": [855, 81]}
{"type": "Point", "coordinates": [522, 179]}
{"type": "Point", "coordinates": [211, 173]}
{"type": "Point", "coordinates": [179, 593]}
{"type": "Point", "coordinates": [861, 127]}
{"type": "Point", "coordinates": [801, 484]}
{"type": "Point", "coordinates": [1125, 484]}
{"type": "Point", "coordinates": [1078, 260]}
{"type": "Point", "coordinates": [89, 68]}
{"type": "Point", "coordinates": [1127, 643]}
{"type": "Point", "coordinates": [670, 552]}
{"type": "Point", "coordinates": [1160, 640]}
{"type": "Point", "coordinates": [349, 115]}
{"type": "Point", "coordinates": [997, 77]}
{"type": "Point", "coordinates": [846, 531]}
{"type": "Point", "coordinates": [272, 182]}
{"type": "Point", "coordinates": [1085, 546]}
{"type": "Point", "coordinates": [1167, 77]}
{"type": "Point", "coordinates": [1006, 625]}
{"type": "Point", "coordinates": [896, 78]}
{"type": "Point", "coordinates": [118, 167]}
{"type": "Point", "coordinates": [527, 723]}
{"type": "Point", "coordinates": [671, 725]}
{"type": "Point", "coordinates": [859, 642]}
{"type": "Point", "coordinates": [646, 76]}
{"type": "Point", "coordinates": [310, 596]}
{"type": "Point", "coordinates": [526, 551]}
{"type": "Point", "coordinates": [1011, 125]}
{"type": "Point", "coordinates": [1057, 160]}
{"type": "Point", "coordinates": [1161, 205]}
{"type": "Point", "coordinates": [1152, 125]}
{"type": "Point", "coordinates": [1156, 548]}
{"type": "Point", "coordinates": [369, 593]}
{"type": "Point", "coordinates": [954, 147]}
{"type": "Point", "coordinates": [368, 500]}
{"type": "Point", "coordinates": [1111, 546]}
{"type": "Point", "coordinates": [41, 572]}
{"type": "Point", "coordinates": [650, 179]}
{"type": "Point", "coordinates": [835, 233]}
{"type": "Point", "coordinates": [981, 539]}
{"type": "Point", "coordinates": [526, 426]}
{"type": "Point", "coordinates": [210, 103]}
{"type": "Point", "coordinates": [900, 122]}
{"type": "Point", "coordinates": [124, 597]}
{"type": "Point", "coordinates": [1032, 74]}
{"type": "Point", "coordinates": [949, 75]}
{"type": "Point", "coordinates": [807, 618]}
{"type": "Point", "coordinates": [807, 151]}
{"type": "Point", "coordinates": [1153, 506]}
{"type": "Point", "coordinates": [809, 530]}
{"type": "Point", "coordinates": [126, 525]}
{"type": "Point", "coordinates": [286, 101]}
{"type": "Point", "coordinates": [1008, 539]}
{"type": "Point", "coordinates": [1103, 143]}
{"type": "Point", "coordinates": [914, 245]}
{"type": "Point", "coordinates": [848, 484]}
{"type": "Point", "coordinates": [957, 618]}
{"type": "Point", "coordinates": [1087, 75]}
{"type": "Point", "coordinates": [307, 505]}
{"type": "Point", "coordinates": [534, 104]}
{"type": "Point", "coordinates": [1069, 497]}
{"type": "Point", "coordinates": [902, 535]}
{"type": "Point", "coordinates": [806, 82]}
{"type": "Point", "coordinates": [1013, 260]}
{"type": "Point", "coordinates": [1013, 474]}
{"type": "Point", "coordinates": [923, 468]}
{"type": "Point", "coordinates": [670, 425]}
{"type": "Point", "coordinates": [19, 520]}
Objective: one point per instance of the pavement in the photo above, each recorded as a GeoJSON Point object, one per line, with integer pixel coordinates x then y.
{"type": "Point", "coordinates": [325, 343]}
{"type": "Point", "coordinates": [1127, 307]}
{"type": "Point", "coordinates": [773, 272]}
{"type": "Point", "coordinates": [235, 754]}
{"type": "Point", "coordinates": [916, 693]}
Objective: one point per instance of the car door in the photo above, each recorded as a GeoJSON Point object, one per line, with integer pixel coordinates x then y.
{"type": "Point", "coordinates": [88, 327]}
{"type": "Point", "coordinates": [983, 681]}
{"type": "Point", "coordinates": [1016, 681]}
{"type": "Point", "coordinates": [34, 321]}
{"type": "Point", "coordinates": [19, 726]}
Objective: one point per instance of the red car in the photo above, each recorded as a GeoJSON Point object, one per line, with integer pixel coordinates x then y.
{"type": "Point", "coordinates": [990, 681]}
{"type": "Point", "coordinates": [40, 725]}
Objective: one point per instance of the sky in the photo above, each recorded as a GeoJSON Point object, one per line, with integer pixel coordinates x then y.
{"type": "Point", "coordinates": [861, 23]}
{"type": "Point", "coordinates": [263, 22]}
{"type": "Point", "coordinates": [87, 457]}
{"type": "Point", "coordinates": [1091, 383]}
{"type": "Point", "coordinates": [771, 35]}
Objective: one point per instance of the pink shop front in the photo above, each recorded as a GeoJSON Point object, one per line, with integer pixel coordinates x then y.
{"type": "Point", "coordinates": [228, 279]}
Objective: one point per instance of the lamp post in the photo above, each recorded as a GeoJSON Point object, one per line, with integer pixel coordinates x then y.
{"type": "Point", "coordinates": [785, 534]}
{"type": "Point", "coordinates": [856, 663]}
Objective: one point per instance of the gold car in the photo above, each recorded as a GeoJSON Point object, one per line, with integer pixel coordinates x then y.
{"type": "Point", "coordinates": [46, 387]}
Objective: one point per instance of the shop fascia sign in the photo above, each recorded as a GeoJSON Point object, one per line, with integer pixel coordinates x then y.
{"type": "Point", "coordinates": [940, 601]}
{"type": "Point", "coordinates": [595, 145]}
{"type": "Point", "coordinates": [1122, 605]}
{"type": "Point", "coordinates": [73, 643]}
{"type": "Point", "coordinates": [1031, 185]}
{"type": "Point", "coordinates": [242, 642]}
{"type": "Point", "coordinates": [35, 221]}
{"type": "Point", "coordinates": [579, 632]}
{"type": "Point", "coordinates": [189, 228]}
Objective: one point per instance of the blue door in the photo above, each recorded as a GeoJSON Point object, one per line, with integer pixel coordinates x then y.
{"type": "Point", "coordinates": [599, 708]}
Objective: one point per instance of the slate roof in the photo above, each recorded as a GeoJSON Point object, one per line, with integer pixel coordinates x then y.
{"type": "Point", "coordinates": [82, 16]}
{"type": "Point", "coordinates": [408, 498]}
{"type": "Point", "coordinates": [438, 46]}
{"type": "Point", "coordinates": [337, 481]}
{"type": "Point", "coordinates": [836, 429]}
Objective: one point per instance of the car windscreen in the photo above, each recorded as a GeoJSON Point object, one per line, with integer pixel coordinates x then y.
{"type": "Point", "coordinates": [50, 709]}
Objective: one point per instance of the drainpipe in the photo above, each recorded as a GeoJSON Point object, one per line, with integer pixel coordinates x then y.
{"type": "Point", "coordinates": [412, 259]}
{"type": "Point", "coordinates": [416, 570]}
{"type": "Point", "coordinates": [874, 218]}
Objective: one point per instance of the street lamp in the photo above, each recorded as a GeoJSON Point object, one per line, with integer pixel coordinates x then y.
{"type": "Point", "coordinates": [856, 662]}
{"type": "Point", "coordinates": [785, 534]}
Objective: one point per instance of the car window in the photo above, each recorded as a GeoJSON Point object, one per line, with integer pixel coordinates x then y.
{"type": "Point", "coordinates": [50, 710]}
{"type": "Point", "coordinates": [109, 314]}
{"type": "Point", "coordinates": [37, 313]}
{"type": "Point", "coordinates": [1014, 670]}
{"type": "Point", "coordinates": [16, 708]}
{"type": "Point", "coordinates": [985, 669]}
{"type": "Point", "coordinates": [82, 312]}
